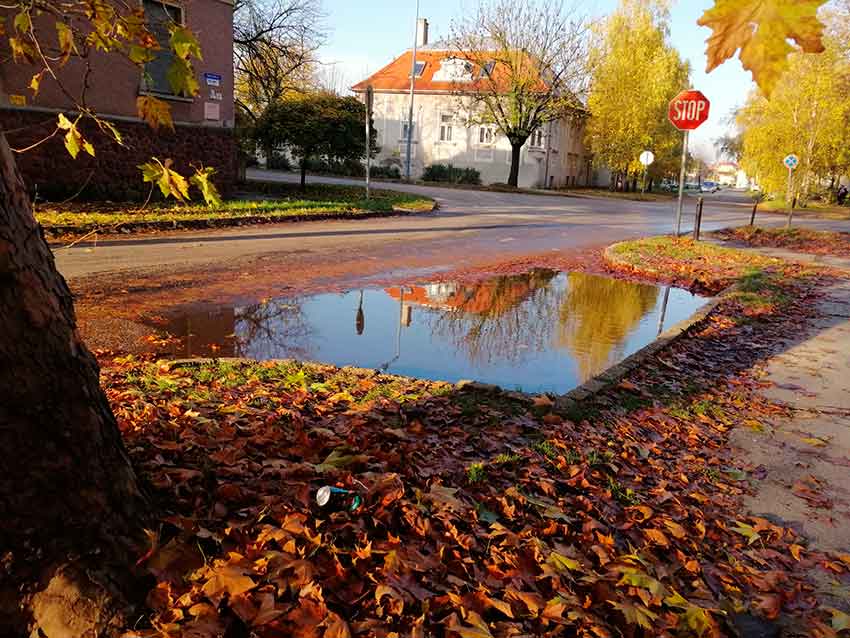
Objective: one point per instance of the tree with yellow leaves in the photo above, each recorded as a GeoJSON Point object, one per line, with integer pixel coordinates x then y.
{"type": "Point", "coordinates": [808, 114]}
{"type": "Point", "coordinates": [636, 72]}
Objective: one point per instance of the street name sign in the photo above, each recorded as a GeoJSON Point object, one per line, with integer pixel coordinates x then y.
{"type": "Point", "coordinates": [689, 110]}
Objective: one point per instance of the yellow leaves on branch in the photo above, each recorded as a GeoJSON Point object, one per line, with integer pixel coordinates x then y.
{"type": "Point", "coordinates": [154, 111]}
{"type": "Point", "coordinates": [761, 30]}
{"type": "Point", "coordinates": [74, 140]}
{"type": "Point", "coordinates": [173, 184]}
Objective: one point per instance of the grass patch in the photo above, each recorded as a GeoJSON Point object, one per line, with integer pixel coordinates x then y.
{"type": "Point", "coordinates": [812, 209]}
{"type": "Point", "coordinates": [284, 201]}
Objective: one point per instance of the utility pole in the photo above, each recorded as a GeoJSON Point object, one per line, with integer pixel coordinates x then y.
{"type": "Point", "coordinates": [412, 90]}
{"type": "Point", "coordinates": [370, 100]}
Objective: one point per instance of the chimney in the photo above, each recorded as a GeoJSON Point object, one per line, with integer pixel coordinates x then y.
{"type": "Point", "coordinates": [422, 32]}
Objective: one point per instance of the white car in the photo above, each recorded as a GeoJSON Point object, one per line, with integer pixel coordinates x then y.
{"type": "Point", "coordinates": [709, 187]}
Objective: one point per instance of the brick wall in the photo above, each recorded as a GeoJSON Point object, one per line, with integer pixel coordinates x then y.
{"type": "Point", "coordinates": [113, 173]}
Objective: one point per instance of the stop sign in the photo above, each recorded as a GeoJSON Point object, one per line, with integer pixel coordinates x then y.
{"type": "Point", "coordinates": [689, 110]}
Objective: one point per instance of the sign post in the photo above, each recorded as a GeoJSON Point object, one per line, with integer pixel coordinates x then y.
{"type": "Point", "coordinates": [688, 111]}
{"type": "Point", "coordinates": [646, 158]}
{"type": "Point", "coordinates": [791, 162]}
{"type": "Point", "coordinates": [370, 100]}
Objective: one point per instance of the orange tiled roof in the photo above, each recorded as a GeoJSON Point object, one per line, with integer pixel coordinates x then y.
{"type": "Point", "coordinates": [396, 75]}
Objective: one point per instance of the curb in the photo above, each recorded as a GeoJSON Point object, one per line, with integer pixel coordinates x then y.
{"type": "Point", "coordinates": [615, 373]}
{"type": "Point", "coordinates": [128, 228]}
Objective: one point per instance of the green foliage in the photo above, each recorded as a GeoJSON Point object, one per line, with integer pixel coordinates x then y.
{"type": "Point", "coordinates": [450, 173]}
{"type": "Point", "coordinates": [546, 449]}
{"type": "Point", "coordinates": [476, 473]}
{"type": "Point", "coordinates": [317, 125]}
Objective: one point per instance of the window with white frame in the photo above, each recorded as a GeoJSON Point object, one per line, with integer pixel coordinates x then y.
{"type": "Point", "coordinates": [537, 138]}
{"type": "Point", "coordinates": [486, 135]}
{"type": "Point", "coordinates": [446, 126]}
{"type": "Point", "coordinates": [419, 68]}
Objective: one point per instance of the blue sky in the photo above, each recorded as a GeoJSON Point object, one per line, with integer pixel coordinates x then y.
{"type": "Point", "coordinates": [366, 35]}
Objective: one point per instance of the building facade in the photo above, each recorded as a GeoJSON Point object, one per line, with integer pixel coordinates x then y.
{"type": "Point", "coordinates": [204, 124]}
{"type": "Point", "coordinates": [446, 130]}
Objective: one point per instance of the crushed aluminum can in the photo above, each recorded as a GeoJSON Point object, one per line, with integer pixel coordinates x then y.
{"type": "Point", "coordinates": [337, 498]}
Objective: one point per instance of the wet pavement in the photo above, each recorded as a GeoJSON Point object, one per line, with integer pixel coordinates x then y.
{"type": "Point", "coordinates": [469, 225]}
{"type": "Point", "coordinates": [542, 331]}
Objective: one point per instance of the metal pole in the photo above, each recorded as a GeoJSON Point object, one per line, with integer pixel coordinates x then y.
{"type": "Point", "coordinates": [412, 89]}
{"type": "Point", "coordinates": [682, 185]}
{"type": "Point", "coordinates": [369, 98]}
{"type": "Point", "coordinates": [788, 198]}
{"type": "Point", "coordinates": [663, 310]}
{"type": "Point", "coordinates": [548, 154]}
{"type": "Point", "coordinates": [755, 210]}
{"type": "Point", "coordinates": [698, 221]}
{"type": "Point", "coordinates": [645, 171]}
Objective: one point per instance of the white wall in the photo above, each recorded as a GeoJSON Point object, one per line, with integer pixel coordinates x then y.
{"type": "Point", "coordinates": [568, 158]}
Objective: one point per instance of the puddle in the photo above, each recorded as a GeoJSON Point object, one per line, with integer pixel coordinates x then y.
{"type": "Point", "coordinates": [542, 331]}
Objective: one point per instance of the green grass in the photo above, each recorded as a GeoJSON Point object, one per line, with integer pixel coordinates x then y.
{"type": "Point", "coordinates": [812, 208]}
{"type": "Point", "coordinates": [287, 201]}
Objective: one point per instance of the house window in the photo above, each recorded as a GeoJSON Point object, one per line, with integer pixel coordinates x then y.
{"type": "Point", "coordinates": [419, 68]}
{"type": "Point", "coordinates": [158, 18]}
{"type": "Point", "coordinates": [446, 128]}
{"type": "Point", "coordinates": [537, 139]}
{"type": "Point", "coordinates": [486, 135]}
{"type": "Point", "coordinates": [487, 70]}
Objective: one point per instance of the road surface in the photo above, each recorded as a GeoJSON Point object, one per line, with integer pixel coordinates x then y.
{"type": "Point", "coordinates": [468, 223]}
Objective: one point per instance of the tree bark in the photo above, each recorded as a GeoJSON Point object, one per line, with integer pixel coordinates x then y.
{"type": "Point", "coordinates": [304, 174]}
{"type": "Point", "coordinates": [72, 509]}
{"type": "Point", "coordinates": [516, 152]}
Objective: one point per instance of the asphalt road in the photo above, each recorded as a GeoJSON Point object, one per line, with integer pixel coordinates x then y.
{"type": "Point", "coordinates": [469, 222]}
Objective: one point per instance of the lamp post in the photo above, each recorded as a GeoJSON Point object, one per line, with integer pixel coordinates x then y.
{"type": "Point", "coordinates": [412, 89]}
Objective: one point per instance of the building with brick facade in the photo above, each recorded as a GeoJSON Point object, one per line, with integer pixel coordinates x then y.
{"type": "Point", "coordinates": [203, 125]}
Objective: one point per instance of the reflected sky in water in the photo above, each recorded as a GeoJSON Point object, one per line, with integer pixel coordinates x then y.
{"type": "Point", "coordinates": [542, 331]}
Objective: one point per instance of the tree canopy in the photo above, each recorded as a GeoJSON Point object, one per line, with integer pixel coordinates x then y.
{"type": "Point", "coordinates": [317, 125]}
{"type": "Point", "coordinates": [636, 72]}
{"type": "Point", "coordinates": [528, 59]}
{"type": "Point", "coordinates": [808, 114]}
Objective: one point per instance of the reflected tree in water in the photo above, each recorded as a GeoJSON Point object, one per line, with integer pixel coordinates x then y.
{"type": "Point", "coordinates": [271, 330]}
{"type": "Point", "coordinates": [503, 318]}
{"type": "Point", "coordinates": [596, 316]}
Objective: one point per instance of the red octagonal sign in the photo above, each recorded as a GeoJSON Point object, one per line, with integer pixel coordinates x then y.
{"type": "Point", "coordinates": [689, 110]}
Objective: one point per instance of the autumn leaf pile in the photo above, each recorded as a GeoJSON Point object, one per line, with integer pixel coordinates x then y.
{"type": "Point", "coordinates": [817, 242]}
{"type": "Point", "coordinates": [483, 513]}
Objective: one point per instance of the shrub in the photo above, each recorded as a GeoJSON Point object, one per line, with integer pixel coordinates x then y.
{"type": "Point", "coordinates": [386, 172]}
{"type": "Point", "coordinates": [451, 174]}
{"type": "Point", "coordinates": [279, 162]}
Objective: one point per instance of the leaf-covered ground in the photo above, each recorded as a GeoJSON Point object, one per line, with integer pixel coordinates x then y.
{"type": "Point", "coordinates": [817, 242]}
{"type": "Point", "coordinates": [479, 513]}
{"type": "Point", "coordinates": [287, 201]}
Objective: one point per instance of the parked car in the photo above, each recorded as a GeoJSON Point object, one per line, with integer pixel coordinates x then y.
{"type": "Point", "coordinates": [709, 187]}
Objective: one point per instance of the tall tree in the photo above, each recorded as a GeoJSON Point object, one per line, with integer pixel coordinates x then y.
{"type": "Point", "coordinates": [636, 72]}
{"type": "Point", "coordinates": [528, 57]}
{"type": "Point", "coordinates": [74, 512]}
{"type": "Point", "coordinates": [808, 114]}
{"type": "Point", "coordinates": [274, 50]}
{"type": "Point", "coordinates": [318, 125]}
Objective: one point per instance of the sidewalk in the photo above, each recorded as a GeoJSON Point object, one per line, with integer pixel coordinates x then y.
{"type": "Point", "coordinates": [802, 465]}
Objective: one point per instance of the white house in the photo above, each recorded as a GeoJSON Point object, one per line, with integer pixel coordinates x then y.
{"type": "Point", "coordinates": [444, 128]}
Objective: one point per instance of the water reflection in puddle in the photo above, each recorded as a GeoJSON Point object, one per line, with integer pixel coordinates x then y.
{"type": "Point", "coordinates": [540, 331]}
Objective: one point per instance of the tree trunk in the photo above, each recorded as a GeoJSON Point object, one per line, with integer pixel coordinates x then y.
{"type": "Point", "coordinates": [516, 151]}
{"type": "Point", "coordinates": [72, 509]}
{"type": "Point", "coordinates": [304, 174]}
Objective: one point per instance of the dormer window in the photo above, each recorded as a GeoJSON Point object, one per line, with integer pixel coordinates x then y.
{"type": "Point", "coordinates": [419, 69]}
{"type": "Point", "coordinates": [487, 70]}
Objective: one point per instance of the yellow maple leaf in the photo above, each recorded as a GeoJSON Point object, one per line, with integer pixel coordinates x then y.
{"type": "Point", "coordinates": [154, 111]}
{"type": "Point", "coordinates": [761, 29]}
